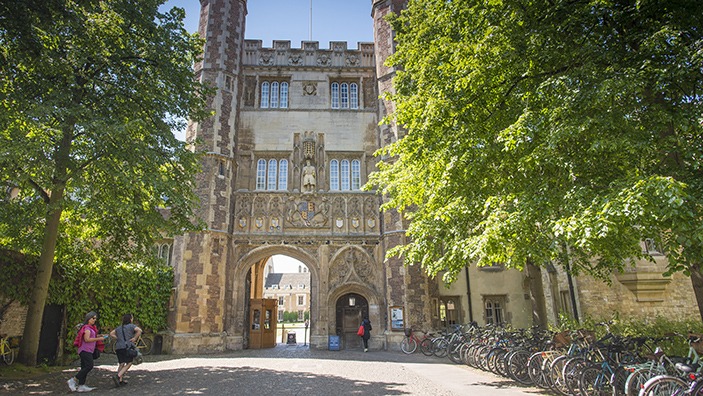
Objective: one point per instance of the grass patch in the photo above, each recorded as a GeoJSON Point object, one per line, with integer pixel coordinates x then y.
{"type": "Point", "coordinates": [17, 371]}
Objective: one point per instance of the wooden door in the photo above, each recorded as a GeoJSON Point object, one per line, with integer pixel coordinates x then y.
{"type": "Point", "coordinates": [262, 319]}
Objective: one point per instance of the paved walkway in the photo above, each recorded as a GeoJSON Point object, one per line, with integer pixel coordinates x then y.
{"type": "Point", "coordinates": [284, 370]}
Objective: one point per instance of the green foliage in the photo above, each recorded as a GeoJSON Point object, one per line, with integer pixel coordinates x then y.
{"type": "Point", "coordinates": [563, 131]}
{"type": "Point", "coordinates": [674, 330]}
{"type": "Point", "coordinates": [89, 96]}
{"type": "Point", "coordinates": [111, 289]}
{"type": "Point", "coordinates": [290, 316]}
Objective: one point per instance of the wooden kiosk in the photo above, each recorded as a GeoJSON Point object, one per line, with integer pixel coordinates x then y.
{"type": "Point", "coordinates": [262, 318]}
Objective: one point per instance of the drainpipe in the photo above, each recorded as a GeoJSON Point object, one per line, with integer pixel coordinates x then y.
{"type": "Point", "coordinates": [468, 294]}
{"type": "Point", "coordinates": [572, 294]}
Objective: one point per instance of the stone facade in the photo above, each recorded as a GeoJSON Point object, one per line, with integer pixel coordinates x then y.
{"type": "Point", "coordinates": [291, 142]}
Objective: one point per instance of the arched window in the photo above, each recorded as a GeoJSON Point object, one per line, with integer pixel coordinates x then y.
{"type": "Point", "coordinates": [334, 92]}
{"type": "Point", "coordinates": [283, 175]}
{"type": "Point", "coordinates": [284, 95]}
{"type": "Point", "coordinates": [261, 174]}
{"type": "Point", "coordinates": [354, 96]}
{"type": "Point", "coordinates": [334, 175]}
{"type": "Point", "coordinates": [344, 174]}
{"type": "Point", "coordinates": [265, 95]}
{"type": "Point", "coordinates": [344, 95]}
{"type": "Point", "coordinates": [274, 95]}
{"type": "Point", "coordinates": [165, 253]}
{"type": "Point", "coordinates": [271, 185]}
{"type": "Point", "coordinates": [355, 174]}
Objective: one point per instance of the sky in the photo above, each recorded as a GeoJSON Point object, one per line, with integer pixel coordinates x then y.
{"type": "Point", "coordinates": [268, 20]}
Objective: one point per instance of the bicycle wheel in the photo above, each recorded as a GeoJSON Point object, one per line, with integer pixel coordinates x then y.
{"type": "Point", "coordinates": [664, 385]}
{"type": "Point", "coordinates": [408, 345]}
{"type": "Point", "coordinates": [594, 382]}
{"type": "Point", "coordinates": [556, 372]}
{"type": "Point", "coordinates": [440, 347]}
{"type": "Point", "coordinates": [8, 355]}
{"type": "Point", "coordinates": [534, 370]}
{"type": "Point", "coordinates": [454, 353]}
{"type": "Point", "coordinates": [517, 367]}
{"type": "Point", "coordinates": [145, 345]}
{"type": "Point", "coordinates": [572, 374]}
{"type": "Point", "coordinates": [426, 347]}
{"type": "Point", "coordinates": [636, 380]}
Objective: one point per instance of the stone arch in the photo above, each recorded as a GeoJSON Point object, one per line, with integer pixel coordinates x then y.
{"type": "Point", "coordinates": [237, 299]}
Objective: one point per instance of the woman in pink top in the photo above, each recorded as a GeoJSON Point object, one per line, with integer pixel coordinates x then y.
{"type": "Point", "coordinates": [85, 351]}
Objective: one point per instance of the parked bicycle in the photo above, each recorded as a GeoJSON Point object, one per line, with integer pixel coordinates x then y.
{"type": "Point", "coordinates": [6, 352]}
{"type": "Point", "coordinates": [144, 344]}
{"type": "Point", "coordinates": [411, 342]}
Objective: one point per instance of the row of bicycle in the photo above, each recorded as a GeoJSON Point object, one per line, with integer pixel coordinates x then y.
{"type": "Point", "coordinates": [572, 362]}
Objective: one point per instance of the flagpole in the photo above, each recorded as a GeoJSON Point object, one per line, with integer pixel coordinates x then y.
{"type": "Point", "coordinates": [310, 38]}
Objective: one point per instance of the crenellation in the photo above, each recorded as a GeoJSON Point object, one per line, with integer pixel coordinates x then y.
{"type": "Point", "coordinates": [308, 55]}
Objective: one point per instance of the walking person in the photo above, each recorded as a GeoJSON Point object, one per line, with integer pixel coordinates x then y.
{"type": "Point", "coordinates": [367, 332]}
{"type": "Point", "coordinates": [87, 340]}
{"type": "Point", "coordinates": [125, 336]}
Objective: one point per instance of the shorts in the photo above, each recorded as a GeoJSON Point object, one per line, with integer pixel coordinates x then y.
{"type": "Point", "coordinates": [122, 356]}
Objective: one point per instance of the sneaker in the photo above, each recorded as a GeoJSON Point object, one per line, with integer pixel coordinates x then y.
{"type": "Point", "coordinates": [84, 388]}
{"type": "Point", "coordinates": [72, 384]}
{"type": "Point", "coordinates": [366, 349]}
{"type": "Point", "coordinates": [123, 382]}
{"type": "Point", "coordinates": [116, 380]}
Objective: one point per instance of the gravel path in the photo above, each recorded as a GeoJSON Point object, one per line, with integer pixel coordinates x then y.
{"type": "Point", "coordinates": [284, 370]}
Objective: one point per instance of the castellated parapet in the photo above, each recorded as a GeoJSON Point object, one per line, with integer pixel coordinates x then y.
{"type": "Point", "coordinates": [309, 55]}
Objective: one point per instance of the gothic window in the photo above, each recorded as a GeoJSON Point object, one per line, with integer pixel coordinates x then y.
{"type": "Point", "coordinates": [334, 90]}
{"type": "Point", "coordinates": [163, 252]}
{"type": "Point", "coordinates": [283, 174]}
{"type": "Point", "coordinates": [221, 168]}
{"type": "Point", "coordinates": [284, 95]}
{"type": "Point", "coordinates": [261, 174]}
{"type": "Point", "coordinates": [344, 174]}
{"type": "Point", "coordinates": [274, 94]}
{"type": "Point", "coordinates": [495, 309]}
{"type": "Point", "coordinates": [354, 96]}
{"type": "Point", "coordinates": [264, 95]}
{"type": "Point", "coordinates": [334, 175]}
{"type": "Point", "coordinates": [355, 174]}
{"type": "Point", "coordinates": [344, 95]}
{"type": "Point", "coordinates": [272, 172]}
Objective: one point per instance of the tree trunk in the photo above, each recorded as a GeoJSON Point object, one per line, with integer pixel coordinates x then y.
{"type": "Point", "coordinates": [539, 307]}
{"type": "Point", "coordinates": [35, 311]}
{"type": "Point", "coordinates": [697, 281]}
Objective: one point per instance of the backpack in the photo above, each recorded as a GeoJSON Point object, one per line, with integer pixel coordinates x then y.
{"type": "Point", "coordinates": [79, 337]}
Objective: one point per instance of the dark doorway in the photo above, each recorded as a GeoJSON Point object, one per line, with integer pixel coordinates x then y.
{"type": "Point", "coordinates": [351, 308]}
{"type": "Point", "coordinates": [50, 333]}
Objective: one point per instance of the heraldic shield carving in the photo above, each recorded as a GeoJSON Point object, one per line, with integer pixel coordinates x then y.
{"type": "Point", "coordinates": [307, 213]}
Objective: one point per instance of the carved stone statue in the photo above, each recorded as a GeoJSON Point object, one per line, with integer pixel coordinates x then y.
{"type": "Point", "coordinates": [309, 177]}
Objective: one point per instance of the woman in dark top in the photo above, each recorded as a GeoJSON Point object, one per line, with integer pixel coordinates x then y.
{"type": "Point", "coordinates": [125, 335]}
{"type": "Point", "coordinates": [367, 333]}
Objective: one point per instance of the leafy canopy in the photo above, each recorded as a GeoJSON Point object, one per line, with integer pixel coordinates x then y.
{"type": "Point", "coordinates": [537, 125]}
{"type": "Point", "coordinates": [90, 93]}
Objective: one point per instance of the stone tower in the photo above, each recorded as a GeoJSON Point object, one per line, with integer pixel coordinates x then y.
{"type": "Point", "coordinates": [200, 258]}
{"type": "Point", "coordinates": [408, 286]}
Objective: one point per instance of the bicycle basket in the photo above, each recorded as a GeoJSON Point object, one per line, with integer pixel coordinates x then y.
{"type": "Point", "coordinates": [408, 332]}
{"type": "Point", "coordinates": [562, 339]}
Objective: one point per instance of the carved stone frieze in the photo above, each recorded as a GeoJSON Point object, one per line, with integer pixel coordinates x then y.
{"type": "Point", "coordinates": [351, 265]}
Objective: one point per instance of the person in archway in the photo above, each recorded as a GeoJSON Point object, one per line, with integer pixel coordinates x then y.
{"type": "Point", "coordinates": [367, 332]}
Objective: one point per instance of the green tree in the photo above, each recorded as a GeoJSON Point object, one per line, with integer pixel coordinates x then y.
{"type": "Point", "coordinates": [537, 128]}
{"type": "Point", "coordinates": [90, 92]}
